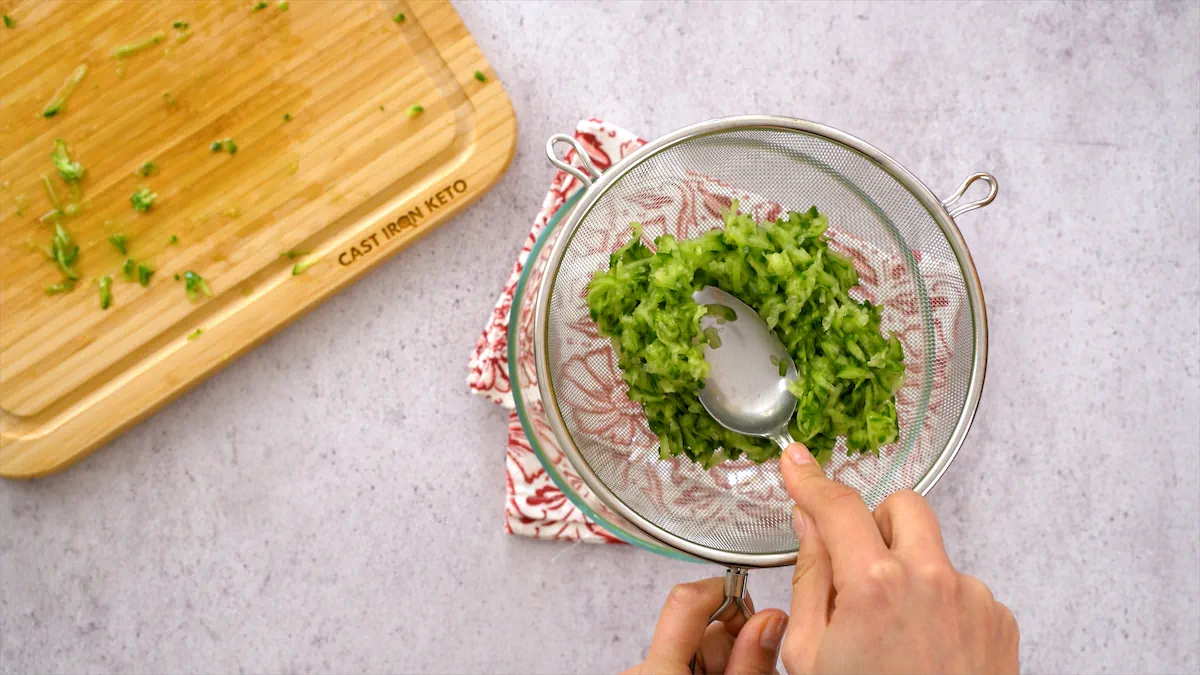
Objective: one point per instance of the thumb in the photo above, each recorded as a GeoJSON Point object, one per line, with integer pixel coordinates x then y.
{"type": "Point", "coordinates": [756, 650]}
{"type": "Point", "coordinates": [799, 464]}
{"type": "Point", "coordinates": [803, 477]}
{"type": "Point", "coordinates": [812, 595]}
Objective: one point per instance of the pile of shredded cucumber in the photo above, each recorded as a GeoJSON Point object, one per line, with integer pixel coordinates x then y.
{"type": "Point", "coordinates": [847, 371]}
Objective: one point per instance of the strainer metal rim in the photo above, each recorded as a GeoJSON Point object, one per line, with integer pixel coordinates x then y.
{"type": "Point", "coordinates": [936, 209]}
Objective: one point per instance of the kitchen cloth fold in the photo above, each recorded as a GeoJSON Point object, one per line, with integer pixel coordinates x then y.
{"type": "Point", "coordinates": [534, 506]}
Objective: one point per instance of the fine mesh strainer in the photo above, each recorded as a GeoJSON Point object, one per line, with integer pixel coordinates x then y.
{"type": "Point", "coordinates": [912, 262]}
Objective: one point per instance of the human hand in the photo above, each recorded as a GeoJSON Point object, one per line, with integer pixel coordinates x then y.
{"type": "Point", "coordinates": [876, 592]}
{"type": "Point", "coordinates": [736, 646]}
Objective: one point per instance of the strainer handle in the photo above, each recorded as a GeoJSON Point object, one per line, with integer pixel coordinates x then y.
{"type": "Point", "coordinates": [735, 596]}
{"type": "Point", "coordinates": [957, 209]}
{"type": "Point", "coordinates": [592, 173]}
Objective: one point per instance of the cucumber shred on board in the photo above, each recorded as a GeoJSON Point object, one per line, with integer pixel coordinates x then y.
{"type": "Point", "coordinates": [847, 371]}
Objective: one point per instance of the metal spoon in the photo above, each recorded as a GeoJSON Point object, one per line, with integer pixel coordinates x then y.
{"type": "Point", "coordinates": [745, 391]}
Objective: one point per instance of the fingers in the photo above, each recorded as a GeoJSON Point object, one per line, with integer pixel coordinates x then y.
{"type": "Point", "coordinates": [715, 647]}
{"type": "Point", "coordinates": [732, 618]}
{"type": "Point", "coordinates": [812, 591]}
{"type": "Point", "coordinates": [682, 623]}
{"type": "Point", "coordinates": [976, 591]}
{"type": "Point", "coordinates": [1005, 637]}
{"type": "Point", "coordinates": [1010, 640]}
{"type": "Point", "coordinates": [719, 636]}
{"type": "Point", "coordinates": [756, 650]}
{"type": "Point", "coordinates": [843, 519]}
{"type": "Point", "coordinates": [910, 528]}
{"type": "Point", "coordinates": [1008, 623]}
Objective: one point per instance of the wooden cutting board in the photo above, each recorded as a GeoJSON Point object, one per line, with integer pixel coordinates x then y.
{"type": "Point", "coordinates": [349, 180]}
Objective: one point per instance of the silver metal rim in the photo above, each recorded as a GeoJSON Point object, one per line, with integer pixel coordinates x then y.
{"type": "Point", "coordinates": [935, 207]}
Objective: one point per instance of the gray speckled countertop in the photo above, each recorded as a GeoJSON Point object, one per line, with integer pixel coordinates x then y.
{"type": "Point", "coordinates": [332, 501]}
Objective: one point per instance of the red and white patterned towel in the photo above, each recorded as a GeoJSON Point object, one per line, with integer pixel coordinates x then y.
{"type": "Point", "coordinates": [535, 507]}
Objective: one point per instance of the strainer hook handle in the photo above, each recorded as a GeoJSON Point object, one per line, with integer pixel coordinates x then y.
{"type": "Point", "coordinates": [590, 172]}
{"type": "Point", "coordinates": [956, 209]}
{"type": "Point", "coordinates": [735, 596]}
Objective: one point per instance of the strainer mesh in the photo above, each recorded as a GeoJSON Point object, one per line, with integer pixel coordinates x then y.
{"type": "Point", "coordinates": [905, 264]}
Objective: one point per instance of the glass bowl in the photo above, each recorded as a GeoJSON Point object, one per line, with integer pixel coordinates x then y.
{"type": "Point", "coordinates": [528, 399]}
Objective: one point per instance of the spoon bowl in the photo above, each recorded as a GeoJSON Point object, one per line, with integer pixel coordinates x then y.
{"type": "Point", "coordinates": [746, 389]}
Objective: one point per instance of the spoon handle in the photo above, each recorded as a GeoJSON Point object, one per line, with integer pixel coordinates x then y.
{"type": "Point", "coordinates": [782, 438]}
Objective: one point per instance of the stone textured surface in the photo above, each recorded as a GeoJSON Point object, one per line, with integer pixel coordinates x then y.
{"type": "Point", "coordinates": [332, 501]}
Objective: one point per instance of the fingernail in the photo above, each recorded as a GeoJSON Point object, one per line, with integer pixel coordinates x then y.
{"type": "Point", "coordinates": [772, 635]}
{"type": "Point", "coordinates": [799, 522]}
{"type": "Point", "coordinates": [799, 454]}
